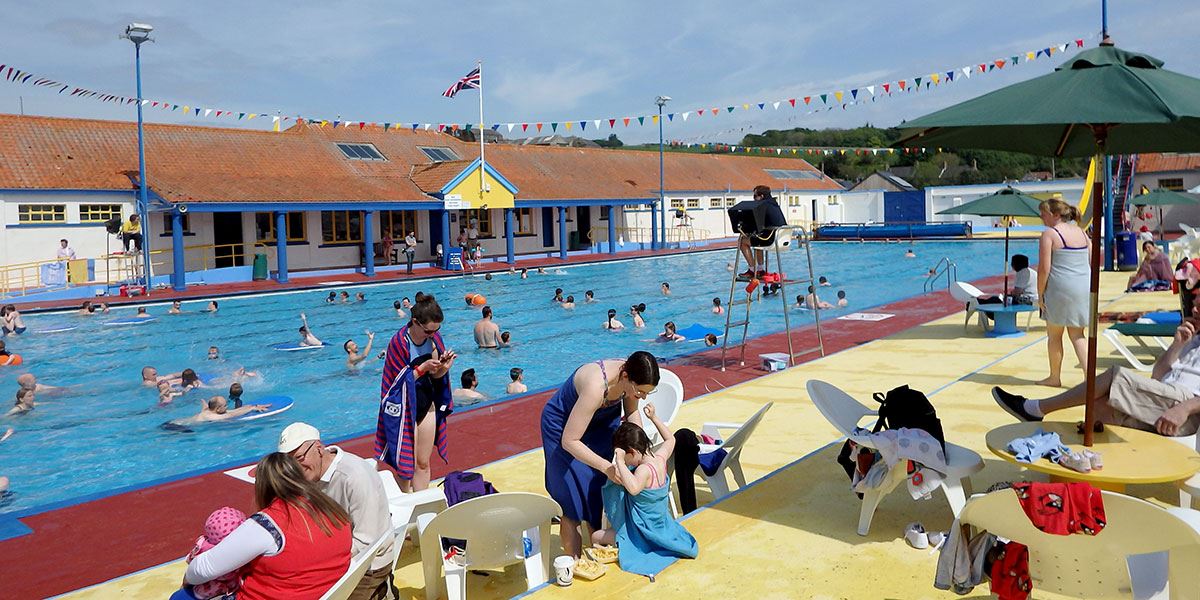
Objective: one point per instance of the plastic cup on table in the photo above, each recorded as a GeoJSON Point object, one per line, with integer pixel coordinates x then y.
{"type": "Point", "coordinates": [564, 570]}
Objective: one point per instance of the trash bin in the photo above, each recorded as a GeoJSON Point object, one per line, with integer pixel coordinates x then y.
{"type": "Point", "coordinates": [573, 240]}
{"type": "Point", "coordinates": [260, 266]}
{"type": "Point", "coordinates": [1127, 254]}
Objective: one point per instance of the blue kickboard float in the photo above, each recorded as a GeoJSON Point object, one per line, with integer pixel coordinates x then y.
{"type": "Point", "coordinates": [295, 346]}
{"type": "Point", "coordinates": [696, 331]}
{"type": "Point", "coordinates": [131, 321]}
{"type": "Point", "coordinates": [1165, 318]}
{"type": "Point", "coordinates": [277, 404]}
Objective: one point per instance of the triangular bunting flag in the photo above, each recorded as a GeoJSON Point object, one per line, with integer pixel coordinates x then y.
{"type": "Point", "coordinates": [792, 101]}
{"type": "Point", "coordinates": [917, 81]}
{"type": "Point", "coordinates": [854, 94]}
{"type": "Point", "coordinates": [653, 119]}
{"type": "Point", "coordinates": [871, 90]}
{"type": "Point", "coordinates": [539, 127]}
{"type": "Point", "coordinates": [596, 123]}
{"type": "Point", "coordinates": [208, 111]}
{"type": "Point", "coordinates": [715, 110]}
{"type": "Point", "coordinates": [495, 127]}
{"type": "Point", "coordinates": [510, 127]}
{"type": "Point", "coordinates": [776, 105]}
{"type": "Point", "coordinates": [729, 108]}
{"type": "Point", "coordinates": [901, 83]}
{"type": "Point", "coordinates": [583, 125]}
{"type": "Point", "coordinates": [685, 116]}
{"type": "Point", "coordinates": [626, 120]}
{"type": "Point", "coordinates": [887, 88]}
{"type": "Point", "coordinates": [612, 123]}
{"type": "Point", "coordinates": [935, 78]}
{"type": "Point", "coordinates": [999, 63]}
{"type": "Point", "coordinates": [807, 99]}
{"type": "Point", "coordinates": [760, 105]}
{"type": "Point", "coordinates": [641, 120]}
{"type": "Point", "coordinates": [1078, 43]}
{"type": "Point", "coordinates": [670, 116]}
{"type": "Point", "coordinates": [524, 126]}
{"type": "Point", "coordinates": [966, 71]}
{"type": "Point", "coordinates": [824, 98]}
{"type": "Point", "coordinates": [568, 125]}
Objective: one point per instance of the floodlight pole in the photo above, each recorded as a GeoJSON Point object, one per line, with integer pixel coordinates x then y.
{"type": "Point", "coordinates": [143, 196]}
{"type": "Point", "coordinates": [662, 198]}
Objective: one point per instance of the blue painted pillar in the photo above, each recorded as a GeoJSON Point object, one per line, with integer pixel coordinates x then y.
{"type": "Point", "coordinates": [1110, 253]}
{"type": "Point", "coordinates": [281, 230]}
{"type": "Point", "coordinates": [509, 243]}
{"type": "Point", "coordinates": [562, 232]}
{"type": "Point", "coordinates": [369, 243]}
{"type": "Point", "coordinates": [446, 239]}
{"type": "Point", "coordinates": [612, 230]}
{"type": "Point", "coordinates": [654, 226]}
{"type": "Point", "coordinates": [179, 266]}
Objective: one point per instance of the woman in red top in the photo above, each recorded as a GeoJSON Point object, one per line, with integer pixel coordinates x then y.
{"type": "Point", "coordinates": [297, 546]}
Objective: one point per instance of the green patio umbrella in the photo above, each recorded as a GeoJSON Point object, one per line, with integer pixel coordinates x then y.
{"type": "Point", "coordinates": [1005, 203]}
{"type": "Point", "coordinates": [1104, 100]}
{"type": "Point", "coordinates": [1161, 198]}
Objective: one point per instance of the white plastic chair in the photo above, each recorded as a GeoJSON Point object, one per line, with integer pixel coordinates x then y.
{"type": "Point", "coordinates": [1189, 487]}
{"type": "Point", "coordinates": [844, 413]}
{"type": "Point", "coordinates": [667, 398]}
{"type": "Point", "coordinates": [494, 527]}
{"type": "Point", "coordinates": [1085, 566]}
{"type": "Point", "coordinates": [1115, 337]}
{"type": "Point", "coordinates": [733, 445]}
{"type": "Point", "coordinates": [969, 295]}
{"type": "Point", "coordinates": [358, 567]}
{"type": "Point", "coordinates": [405, 508]}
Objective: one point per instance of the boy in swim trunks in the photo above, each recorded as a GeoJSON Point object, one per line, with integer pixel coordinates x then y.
{"type": "Point", "coordinates": [306, 336]}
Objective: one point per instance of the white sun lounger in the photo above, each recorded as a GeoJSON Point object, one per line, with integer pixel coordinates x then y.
{"type": "Point", "coordinates": [667, 398]}
{"type": "Point", "coordinates": [358, 567]}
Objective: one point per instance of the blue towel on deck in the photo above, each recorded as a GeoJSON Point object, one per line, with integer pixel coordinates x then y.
{"type": "Point", "coordinates": [1036, 446]}
{"type": "Point", "coordinates": [648, 539]}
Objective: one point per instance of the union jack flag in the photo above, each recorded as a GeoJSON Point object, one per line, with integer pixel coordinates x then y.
{"type": "Point", "coordinates": [470, 81]}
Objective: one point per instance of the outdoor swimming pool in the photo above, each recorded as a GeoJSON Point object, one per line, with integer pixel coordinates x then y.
{"type": "Point", "coordinates": [104, 433]}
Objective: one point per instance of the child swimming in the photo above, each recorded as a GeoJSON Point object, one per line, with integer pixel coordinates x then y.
{"type": "Point", "coordinates": [669, 334]}
{"type": "Point", "coordinates": [636, 312]}
{"type": "Point", "coordinates": [717, 309]}
{"type": "Point", "coordinates": [612, 324]}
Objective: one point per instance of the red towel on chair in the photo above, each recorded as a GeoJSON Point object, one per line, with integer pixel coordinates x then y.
{"type": "Point", "coordinates": [1010, 573]}
{"type": "Point", "coordinates": [1062, 508]}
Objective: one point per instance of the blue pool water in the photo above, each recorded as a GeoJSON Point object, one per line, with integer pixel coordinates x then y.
{"type": "Point", "coordinates": [104, 433]}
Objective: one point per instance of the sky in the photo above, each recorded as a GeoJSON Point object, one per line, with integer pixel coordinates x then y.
{"type": "Point", "coordinates": [373, 60]}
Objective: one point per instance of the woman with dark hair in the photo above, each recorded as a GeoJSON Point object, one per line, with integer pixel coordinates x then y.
{"type": "Point", "coordinates": [578, 423]}
{"type": "Point", "coordinates": [296, 546]}
{"type": "Point", "coordinates": [415, 396]}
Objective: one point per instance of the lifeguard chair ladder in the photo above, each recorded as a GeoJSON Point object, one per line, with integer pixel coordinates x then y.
{"type": "Point", "coordinates": [742, 293]}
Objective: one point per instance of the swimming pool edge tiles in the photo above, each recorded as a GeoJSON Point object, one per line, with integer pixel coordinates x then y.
{"type": "Point", "coordinates": [160, 510]}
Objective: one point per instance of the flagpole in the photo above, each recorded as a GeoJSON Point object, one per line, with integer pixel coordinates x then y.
{"type": "Point", "coordinates": [482, 163]}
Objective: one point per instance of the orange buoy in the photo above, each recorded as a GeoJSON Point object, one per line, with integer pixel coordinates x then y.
{"type": "Point", "coordinates": [11, 360]}
{"type": "Point", "coordinates": [478, 300]}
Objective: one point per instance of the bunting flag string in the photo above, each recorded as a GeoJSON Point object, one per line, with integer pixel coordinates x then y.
{"type": "Point", "coordinates": [799, 151]}
{"type": "Point", "coordinates": [813, 103]}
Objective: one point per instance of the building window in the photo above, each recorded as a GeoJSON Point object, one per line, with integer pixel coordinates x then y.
{"type": "Point", "coordinates": [632, 207]}
{"type": "Point", "coordinates": [98, 213]}
{"type": "Point", "coordinates": [398, 223]}
{"type": "Point", "coordinates": [730, 201]}
{"type": "Point", "coordinates": [792, 174]}
{"type": "Point", "coordinates": [524, 218]}
{"type": "Point", "coordinates": [1175, 184]}
{"type": "Point", "coordinates": [341, 226]}
{"type": "Point", "coordinates": [793, 201]}
{"type": "Point", "coordinates": [677, 203]}
{"type": "Point", "coordinates": [168, 229]}
{"type": "Point", "coordinates": [41, 213]}
{"type": "Point", "coordinates": [482, 220]}
{"type": "Point", "coordinates": [693, 203]}
{"type": "Point", "coordinates": [715, 203]}
{"type": "Point", "coordinates": [439, 154]}
{"type": "Point", "coordinates": [264, 227]}
{"type": "Point", "coordinates": [360, 151]}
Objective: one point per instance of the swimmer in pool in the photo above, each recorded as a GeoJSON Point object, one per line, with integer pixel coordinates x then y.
{"type": "Point", "coordinates": [488, 277]}
{"type": "Point", "coordinates": [842, 301]}
{"type": "Point", "coordinates": [589, 297]}
{"type": "Point", "coordinates": [360, 297]}
{"type": "Point", "coordinates": [354, 358]}
{"type": "Point", "coordinates": [524, 273]}
{"type": "Point", "coordinates": [669, 334]}
{"type": "Point", "coordinates": [175, 308]}
{"type": "Point", "coordinates": [812, 301]}
{"type": "Point", "coordinates": [12, 322]}
{"type": "Point", "coordinates": [541, 271]}
{"type": "Point", "coordinates": [487, 332]}
{"type": "Point", "coordinates": [141, 313]}
{"type": "Point", "coordinates": [86, 309]}
{"type": "Point", "coordinates": [636, 311]}
{"type": "Point", "coordinates": [405, 303]}
{"type": "Point", "coordinates": [217, 409]}
{"type": "Point", "coordinates": [909, 253]}
{"type": "Point", "coordinates": [151, 378]}
{"type": "Point", "coordinates": [710, 339]}
{"type": "Point", "coordinates": [214, 353]}
{"type": "Point", "coordinates": [717, 309]}
{"type": "Point", "coordinates": [166, 394]}
{"type": "Point", "coordinates": [25, 402]}
{"type": "Point", "coordinates": [399, 306]}
{"type": "Point", "coordinates": [189, 380]}
{"type": "Point", "coordinates": [666, 288]}
{"type": "Point", "coordinates": [467, 394]}
{"type": "Point", "coordinates": [569, 302]}
{"type": "Point", "coordinates": [345, 298]}
{"type": "Point", "coordinates": [558, 295]}
{"type": "Point", "coordinates": [306, 335]}
{"type": "Point", "coordinates": [104, 308]}
{"type": "Point", "coordinates": [612, 324]}
{"type": "Point", "coordinates": [29, 382]}
{"type": "Point", "coordinates": [823, 281]}
{"type": "Point", "coordinates": [331, 298]}
{"type": "Point", "coordinates": [517, 385]}
{"type": "Point", "coordinates": [505, 340]}
{"type": "Point", "coordinates": [235, 394]}
{"type": "Point", "coordinates": [212, 306]}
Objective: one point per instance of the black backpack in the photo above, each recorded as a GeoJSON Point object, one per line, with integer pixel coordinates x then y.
{"type": "Point", "coordinates": [904, 407]}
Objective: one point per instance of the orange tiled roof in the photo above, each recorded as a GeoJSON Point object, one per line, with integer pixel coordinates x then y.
{"type": "Point", "coordinates": [303, 164]}
{"type": "Point", "coordinates": [1158, 163]}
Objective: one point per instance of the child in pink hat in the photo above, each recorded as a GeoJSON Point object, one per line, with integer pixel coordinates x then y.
{"type": "Point", "coordinates": [218, 525]}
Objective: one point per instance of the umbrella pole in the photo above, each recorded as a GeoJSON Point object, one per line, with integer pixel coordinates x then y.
{"type": "Point", "coordinates": [1089, 417]}
{"type": "Point", "coordinates": [1005, 297]}
{"type": "Point", "coordinates": [1160, 225]}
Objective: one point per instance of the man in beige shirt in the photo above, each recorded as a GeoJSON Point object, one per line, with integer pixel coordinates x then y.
{"type": "Point", "coordinates": [354, 484]}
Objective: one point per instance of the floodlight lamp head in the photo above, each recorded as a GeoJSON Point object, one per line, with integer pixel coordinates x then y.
{"type": "Point", "coordinates": [662, 100]}
{"type": "Point", "coordinates": [138, 32]}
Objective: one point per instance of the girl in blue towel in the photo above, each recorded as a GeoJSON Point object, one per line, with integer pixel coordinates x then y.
{"type": "Point", "coordinates": [647, 537]}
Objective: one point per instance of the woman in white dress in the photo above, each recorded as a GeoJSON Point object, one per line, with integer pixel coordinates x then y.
{"type": "Point", "coordinates": [1064, 278]}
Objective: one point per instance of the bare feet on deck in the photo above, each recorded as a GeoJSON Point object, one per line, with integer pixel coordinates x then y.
{"type": "Point", "coordinates": [1050, 382]}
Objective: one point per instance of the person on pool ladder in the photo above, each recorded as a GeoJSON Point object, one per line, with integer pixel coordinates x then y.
{"type": "Point", "coordinates": [415, 396]}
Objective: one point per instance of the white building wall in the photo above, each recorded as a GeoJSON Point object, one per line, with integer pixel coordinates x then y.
{"type": "Point", "coordinates": [23, 243]}
{"type": "Point", "coordinates": [1172, 215]}
{"type": "Point", "coordinates": [942, 198]}
{"type": "Point", "coordinates": [800, 208]}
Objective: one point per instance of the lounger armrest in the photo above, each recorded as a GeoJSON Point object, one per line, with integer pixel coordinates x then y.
{"type": "Point", "coordinates": [706, 448]}
{"type": "Point", "coordinates": [427, 496]}
{"type": "Point", "coordinates": [714, 429]}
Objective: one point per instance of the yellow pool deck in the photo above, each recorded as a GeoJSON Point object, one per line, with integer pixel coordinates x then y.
{"type": "Point", "coordinates": [792, 534]}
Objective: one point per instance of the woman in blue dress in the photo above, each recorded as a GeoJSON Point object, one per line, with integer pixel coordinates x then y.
{"type": "Point", "coordinates": [578, 423]}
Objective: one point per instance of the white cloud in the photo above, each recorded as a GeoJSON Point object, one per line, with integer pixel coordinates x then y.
{"type": "Point", "coordinates": [561, 88]}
